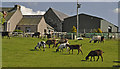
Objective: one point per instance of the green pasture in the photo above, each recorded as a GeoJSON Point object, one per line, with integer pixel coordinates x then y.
{"type": "Point", "coordinates": [18, 52]}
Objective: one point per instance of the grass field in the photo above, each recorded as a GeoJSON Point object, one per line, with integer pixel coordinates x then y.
{"type": "Point", "coordinates": [18, 52]}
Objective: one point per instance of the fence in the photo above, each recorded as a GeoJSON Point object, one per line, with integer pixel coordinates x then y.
{"type": "Point", "coordinates": [90, 35]}
{"type": "Point", "coordinates": [73, 35]}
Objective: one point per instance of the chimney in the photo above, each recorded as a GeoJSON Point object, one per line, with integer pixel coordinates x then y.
{"type": "Point", "coordinates": [17, 7]}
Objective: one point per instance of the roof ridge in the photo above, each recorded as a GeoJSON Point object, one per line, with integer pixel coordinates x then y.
{"type": "Point", "coordinates": [59, 14]}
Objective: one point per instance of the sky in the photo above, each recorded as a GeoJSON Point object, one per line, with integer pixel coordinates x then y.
{"type": "Point", "coordinates": [107, 9]}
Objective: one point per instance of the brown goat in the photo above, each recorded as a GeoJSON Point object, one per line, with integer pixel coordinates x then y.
{"type": "Point", "coordinates": [49, 42]}
{"type": "Point", "coordinates": [95, 53]}
{"type": "Point", "coordinates": [61, 41]}
{"type": "Point", "coordinates": [74, 47]}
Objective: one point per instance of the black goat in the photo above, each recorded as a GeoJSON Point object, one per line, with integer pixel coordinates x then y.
{"type": "Point", "coordinates": [5, 34]}
{"type": "Point", "coordinates": [36, 34]}
{"type": "Point", "coordinates": [95, 53]}
{"type": "Point", "coordinates": [74, 47]}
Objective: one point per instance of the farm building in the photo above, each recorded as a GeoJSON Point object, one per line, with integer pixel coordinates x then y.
{"type": "Point", "coordinates": [34, 23]}
{"type": "Point", "coordinates": [88, 24]}
{"type": "Point", "coordinates": [26, 23]}
{"type": "Point", "coordinates": [55, 19]}
{"type": "Point", "coordinates": [12, 16]}
{"type": "Point", "coordinates": [52, 20]}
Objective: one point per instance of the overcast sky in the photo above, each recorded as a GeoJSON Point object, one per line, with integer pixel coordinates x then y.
{"type": "Point", "coordinates": [106, 10]}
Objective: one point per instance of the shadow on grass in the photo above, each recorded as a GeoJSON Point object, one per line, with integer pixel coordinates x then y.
{"type": "Point", "coordinates": [83, 60]}
{"type": "Point", "coordinates": [66, 54]}
{"type": "Point", "coordinates": [54, 51]}
{"type": "Point", "coordinates": [88, 61]}
{"type": "Point", "coordinates": [33, 50]}
{"type": "Point", "coordinates": [116, 65]}
{"type": "Point", "coordinates": [116, 61]}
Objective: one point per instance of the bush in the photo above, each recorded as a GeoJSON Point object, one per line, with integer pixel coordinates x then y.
{"type": "Point", "coordinates": [18, 31]}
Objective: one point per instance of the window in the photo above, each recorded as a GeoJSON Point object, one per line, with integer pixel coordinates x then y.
{"type": "Point", "coordinates": [27, 29]}
{"type": "Point", "coordinates": [109, 29]}
{"type": "Point", "coordinates": [19, 28]}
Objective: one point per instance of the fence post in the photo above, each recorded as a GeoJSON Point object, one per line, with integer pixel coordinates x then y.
{"type": "Point", "coordinates": [72, 36]}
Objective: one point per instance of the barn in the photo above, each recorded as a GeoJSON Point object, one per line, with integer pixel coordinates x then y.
{"type": "Point", "coordinates": [88, 24]}
{"type": "Point", "coordinates": [55, 18]}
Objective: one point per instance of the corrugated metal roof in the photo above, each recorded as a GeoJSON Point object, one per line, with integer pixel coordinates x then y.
{"type": "Point", "coordinates": [30, 20]}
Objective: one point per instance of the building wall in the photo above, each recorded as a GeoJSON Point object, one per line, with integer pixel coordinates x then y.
{"type": "Point", "coordinates": [105, 24]}
{"type": "Point", "coordinates": [68, 24]}
{"type": "Point", "coordinates": [52, 19]}
{"type": "Point", "coordinates": [32, 27]}
{"type": "Point", "coordinates": [86, 23]}
{"type": "Point", "coordinates": [41, 26]}
{"type": "Point", "coordinates": [14, 20]}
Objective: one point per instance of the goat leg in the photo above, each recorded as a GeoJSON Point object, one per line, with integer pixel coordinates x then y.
{"type": "Point", "coordinates": [102, 58]}
{"type": "Point", "coordinates": [72, 51]}
{"type": "Point", "coordinates": [49, 45]}
{"type": "Point", "coordinates": [81, 51]}
{"type": "Point", "coordinates": [97, 59]}
{"type": "Point", "coordinates": [91, 58]}
{"type": "Point", "coordinates": [94, 58]}
{"type": "Point", "coordinates": [78, 51]}
{"type": "Point", "coordinates": [69, 51]}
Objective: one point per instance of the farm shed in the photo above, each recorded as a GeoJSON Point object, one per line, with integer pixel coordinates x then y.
{"type": "Point", "coordinates": [88, 24]}
{"type": "Point", "coordinates": [55, 19]}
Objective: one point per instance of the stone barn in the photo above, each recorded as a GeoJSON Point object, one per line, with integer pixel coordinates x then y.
{"type": "Point", "coordinates": [55, 19]}
{"type": "Point", "coordinates": [88, 24]}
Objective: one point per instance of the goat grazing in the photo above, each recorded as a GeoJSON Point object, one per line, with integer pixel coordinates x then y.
{"type": "Point", "coordinates": [95, 53]}
{"type": "Point", "coordinates": [49, 42]}
{"type": "Point", "coordinates": [5, 34]}
{"type": "Point", "coordinates": [97, 38]}
{"type": "Point", "coordinates": [39, 44]}
{"type": "Point", "coordinates": [61, 47]}
{"type": "Point", "coordinates": [37, 34]}
{"type": "Point", "coordinates": [78, 47]}
{"type": "Point", "coordinates": [61, 41]}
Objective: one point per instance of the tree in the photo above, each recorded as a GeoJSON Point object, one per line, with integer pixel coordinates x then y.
{"type": "Point", "coordinates": [2, 19]}
{"type": "Point", "coordinates": [99, 31]}
{"type": "Point", "coordinates": [74, 30]}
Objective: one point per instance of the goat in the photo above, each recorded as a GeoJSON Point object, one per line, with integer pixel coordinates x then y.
{"type": "Point", "coordinates": [36, 34]}
{"type": "Point", "coordinates": [97, 38]}
{"type": "Point", "coordinates": [49, 42]}
{"type": "Point", "coordinates": [5, 34]}
{"type": "Point", "coordinates": [95, 53]}
{"type": "Point", "coordinates": [78, 47]}
{"type": "Point", "coordinates": [61, 47]}
{"type": "Point", "coordinates": [62, 41]}
{"type": "Point", "coordinates": [39, 44]}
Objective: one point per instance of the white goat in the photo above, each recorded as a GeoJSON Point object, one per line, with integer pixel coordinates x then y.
{"type": "Point", "coordinates": [62, 46]}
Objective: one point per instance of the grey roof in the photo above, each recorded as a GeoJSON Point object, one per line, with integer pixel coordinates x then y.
{"type": "Point", "coordinates": [60, 15]}
{"type": "Point", "coordinates": [9, 15]}
{"type": "Point", "coordinates": [49, 27]}
{"type": "Point", "coordinates": [30, 20]}
{"type": "Point", "coordinates": [6, 8]}
{"type": "Point", "coordinates": [91, 16]}
{"type": "Point", "coordinates": [9, 10]}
